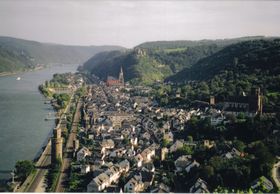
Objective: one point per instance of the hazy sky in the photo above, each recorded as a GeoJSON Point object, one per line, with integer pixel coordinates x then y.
{"type": "Point", "coordinates": [130, 22]}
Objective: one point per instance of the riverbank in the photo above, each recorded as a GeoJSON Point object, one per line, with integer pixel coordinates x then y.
{"type": "Point", "coordinates": [22, 113]}
{"type": "Point", "coordinates": [2, 74]}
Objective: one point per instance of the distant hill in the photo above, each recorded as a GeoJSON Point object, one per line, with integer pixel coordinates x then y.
{"type": "Point", "coordinates": [18, 54]}
{"type": "Point", "coordinates": [190, 43]}
{"type": "Point", "coordinates": [153, 61]}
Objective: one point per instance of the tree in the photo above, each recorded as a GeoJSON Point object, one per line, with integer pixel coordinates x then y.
{"type": "Point", "coordinates": [207, 172]}
{"type": "Point", "coordinates": [24, 168]}
{"type": "Point", "coordinates": [189, 138]}
{"type": "Point", "coordinates": [165, 143]}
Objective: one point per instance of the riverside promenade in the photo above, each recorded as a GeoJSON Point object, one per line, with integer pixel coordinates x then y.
{"type": "Point", "coordinates": [68, 152]}
{"type": "Point", "coordinates": [35, 182]}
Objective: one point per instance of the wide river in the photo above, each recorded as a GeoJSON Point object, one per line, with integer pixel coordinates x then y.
{"type": "Point", "coordinates": [23, 130]}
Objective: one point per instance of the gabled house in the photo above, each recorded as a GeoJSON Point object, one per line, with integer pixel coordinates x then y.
{"type": "Point", "coordinates": [148, 153]}
{"type": "Point", "coordinates": [182, 162]}
{"type": "Point", "coordinates": [139, 160]}
{"type": "Point", "coordinates": [134, 185]}
{"type": "Point", "coordinates": [177, 145]}
{"type": "Point", "coordinates": [200, 186]}
{"type": "Point", "coordinates": [191, 165]}
{"type": "Point", "coordinates": [82, 153]}
{"type": "Point", "coordinates": [262, 182]}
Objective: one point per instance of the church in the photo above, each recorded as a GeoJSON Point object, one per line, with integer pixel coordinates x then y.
{"type": "Point", "coordinates": [250, 105]}
{"type": "Point", "coordinates": [112, 81]}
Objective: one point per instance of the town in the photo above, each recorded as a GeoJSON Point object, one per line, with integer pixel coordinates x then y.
{"type": "Point", "coordinates": [126, 142]}
{"type": "Point", "coordinates": [115, 137]}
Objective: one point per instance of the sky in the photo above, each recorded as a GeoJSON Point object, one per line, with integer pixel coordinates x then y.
{"type": "Point", "coordinates": [131, 22]}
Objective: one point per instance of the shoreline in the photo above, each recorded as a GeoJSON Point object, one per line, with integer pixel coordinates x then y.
{"type": "Point", "coordinates": [40, 67]}
{"type": "Point", "coordinates": [3, 74]}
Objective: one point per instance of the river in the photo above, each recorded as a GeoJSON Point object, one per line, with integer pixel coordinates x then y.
{"type": "Point", "coordinates": [23, 130]}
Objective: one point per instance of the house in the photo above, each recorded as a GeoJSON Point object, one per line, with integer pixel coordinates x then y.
{"type": "Point", "coordinates": [217, 119]}
{"type": "Point", "coordinates": [139, 160]}
{"type": "Point", "coordinates": [200, 186]}
{"type": "Point", "coordinates": [149, 167]}
{"type": "Point", "coordinates": [117, 153]}
{"type": "Point", "coordinates": [99, 183]}
{"type": "Point", "coordinates": [182, 162]}
{"type": "Point", "coordinates": [82, 153]}
{"type": "Point", "coordinates": [147, 178]}
{"type": "Point", "coordinates": [148, 153]}
{"type": "Point", "coordinates": [124, 166]}
{"type": "Point", "coordinates": [262, 182]}
{"type": "Point", "coordinates": [85, 168]}
{"type": "Point", "coordinates": [111, 175]}
{"type": "Point", "coordinates": [233, 153]}
{"type": "Point", "coordinates": [177, 145]}
{"type": "Point", "coordinates": [191, 165]}
{"type": "Point", "coordinates": [107, 144]}
{"type": "Point", "coordinates": [161, 188]}
{"type": "Point", "coordinates": [208, 144]}
{"type": "Point", "coordinates": [134, 185]}
{"type": "Point", "coordinates": [163, 153]}
{"type": "Point", "coordinates": [168, 136]}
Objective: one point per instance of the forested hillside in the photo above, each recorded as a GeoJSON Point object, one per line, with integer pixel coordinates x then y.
{"type": "Point", "coordinates": [147, 65]}
{"type": "Point", "coordinates": [235, 70]}
{"type": "Point", "coordinates": [18, 54]}
{"type": "Point", "coordinates": [190, 43]}
{"type": "Point", "coordinates": [155, 61]}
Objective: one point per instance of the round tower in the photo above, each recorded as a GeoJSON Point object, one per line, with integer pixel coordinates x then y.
{"type": "Point", "coordinates": [56, 142]}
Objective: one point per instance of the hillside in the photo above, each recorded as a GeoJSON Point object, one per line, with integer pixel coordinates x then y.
{"type": "Point", "coordinates": [147, 65]}
{"type": "Point", "coordinates": [18, 54]}
{"type": "Point", "coordinates": [235, 70]}
{"type": "Point", "coordinates": [250, 57]}
{"type": "Point", "coordinates": [153, 61]}
{"type": "Point", "coordinates": [190, 43]}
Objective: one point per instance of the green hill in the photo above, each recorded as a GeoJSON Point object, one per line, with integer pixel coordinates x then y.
{"type": "Point", "coordinates": [146, 65]}
{"type": "Point", "coordinates": [189, 43]}
{"type": "Point", "coordinates": [234, 70]}
{"type": "Point", "coordinates": [153, 61]}
{"type": "Point", "coordinates": [18, 54]}
{"type": "Point", "coordinates": [256, 57]}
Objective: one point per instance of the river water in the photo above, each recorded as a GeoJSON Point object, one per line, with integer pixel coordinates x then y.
{"type": "Point", "coordinates": [23, 130]}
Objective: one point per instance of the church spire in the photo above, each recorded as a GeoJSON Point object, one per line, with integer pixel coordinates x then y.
{"type": "Point", "coordinates": [121, 78]}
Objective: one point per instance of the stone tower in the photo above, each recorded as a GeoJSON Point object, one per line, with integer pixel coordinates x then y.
{"type": "Point", "coordinates": [121, 78]}
{"type": "Point", "coordinates": [212, 100]}
{"type": "Point", "coordinates": [56, 142]}
{"type": "Point", "coordinates": [256, 100]}
{"type": "Point", "coordinates": [163, 154]}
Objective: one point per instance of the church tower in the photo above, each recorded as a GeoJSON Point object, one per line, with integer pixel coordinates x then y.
{"type": "Point", "coordinates": [56, 148]}
{"type": "Point", "coordinates": [121, 78]}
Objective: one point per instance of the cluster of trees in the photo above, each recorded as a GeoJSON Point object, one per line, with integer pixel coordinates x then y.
{"type": "Point", "coordinates": [53, 175]}
{"type": "Point", "coordinates": [60, 79]}
{"type": "Point", "coordinates": [78, 182]}
{"type": "Point", "coordinates": [61, 99]}
{"type": "Point", "coordinates": [23, 168]}
{"type": "Point", "coordinates": [256, 137]}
